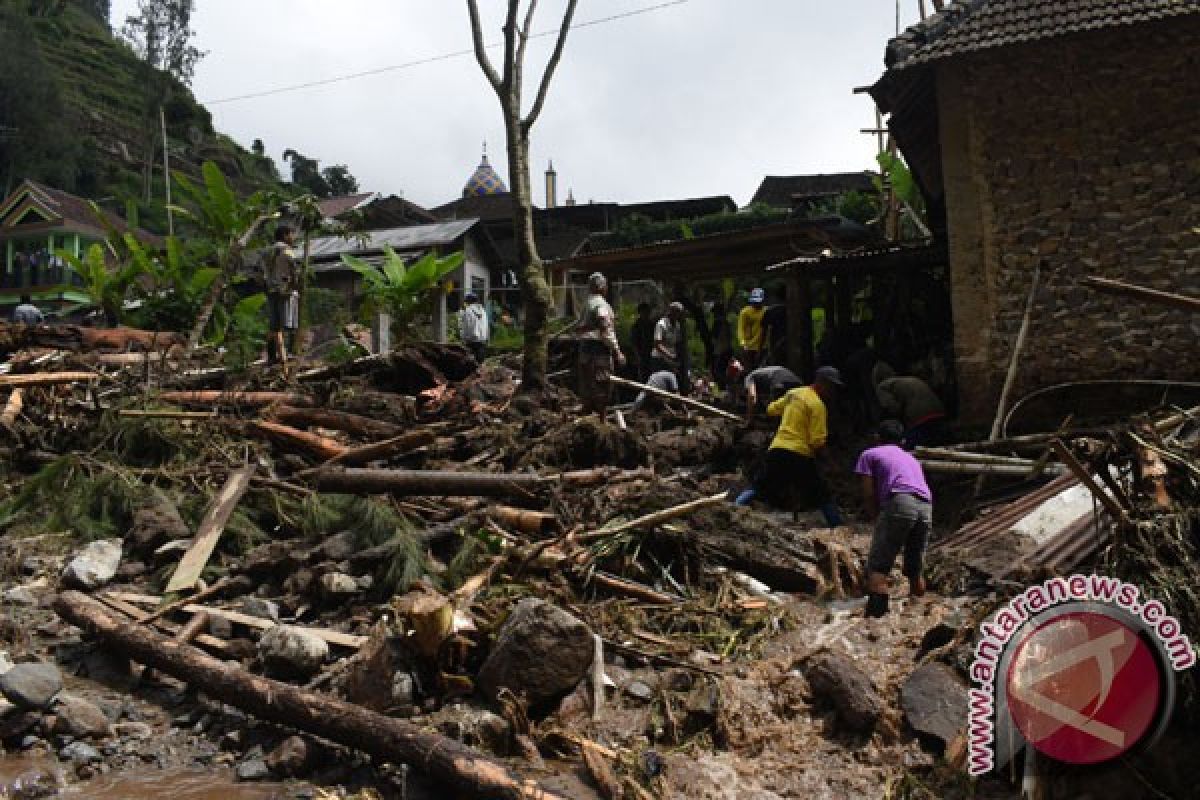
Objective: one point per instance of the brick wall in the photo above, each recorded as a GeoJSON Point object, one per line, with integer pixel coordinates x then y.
{"type": "Point", "coordinates": [1082, 153]}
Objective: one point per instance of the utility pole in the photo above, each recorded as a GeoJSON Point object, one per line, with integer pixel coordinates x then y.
{"type": "Point", "coordinates": [162, 120]}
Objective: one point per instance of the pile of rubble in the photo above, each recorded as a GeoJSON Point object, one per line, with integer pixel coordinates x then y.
{"type": "Point", "coordinates": [399, 573]}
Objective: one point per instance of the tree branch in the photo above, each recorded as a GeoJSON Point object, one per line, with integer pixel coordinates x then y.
{"type": "Point", "coordinates": [525, 33]}
{"type": "Point", "coordinates": [551, 65]}
{"type": "Point", "coordinates": [480, 49]}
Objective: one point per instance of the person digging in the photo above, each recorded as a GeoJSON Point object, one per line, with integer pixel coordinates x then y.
{"type": "Point", "coordinates": [897, 499]}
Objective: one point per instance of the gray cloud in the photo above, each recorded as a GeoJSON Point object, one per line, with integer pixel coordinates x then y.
{"type": "Point", "coordinates": [696, 99]}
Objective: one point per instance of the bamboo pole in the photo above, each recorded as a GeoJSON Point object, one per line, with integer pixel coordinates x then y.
{"type": "Point", "coordinates": [1122, 289]}
{"type": "Point", "coordinates": [982, 470]}
{"type": "Point", "coordinates": [649, 520]}
{"type": "Point", "coordinates": [436, 483]}
{"type": "Point", "coordinates": [45, 379]}
{"type": "Point", "coordinates": [944, 454]}
{"type": "Point", "coordinates": [687, 401]}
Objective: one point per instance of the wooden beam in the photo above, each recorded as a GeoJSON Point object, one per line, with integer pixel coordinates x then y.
{"type": "Point", "coordinates": [210, 530]}
{"type": "Point", "coordinates": [1085, 477]}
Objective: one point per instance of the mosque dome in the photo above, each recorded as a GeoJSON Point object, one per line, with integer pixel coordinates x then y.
{"type": "Point", "coordinates": [484, 181]}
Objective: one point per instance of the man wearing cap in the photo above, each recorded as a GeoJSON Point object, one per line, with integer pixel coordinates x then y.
{"type": "Point", "coordinates": [765, 385]}
{"type": "Point", "coordinates": [598, 347]}
{"type": "Point", "coordinates": [792, 457]}
{"type": "Point", "coordinates": [898, 500]}
{"type": "Point", "coordinates": [750, 329]}
{"type": "Point", "coordinates": [473, 326]}
{"type": "Point", "coordinates": [668, 336]}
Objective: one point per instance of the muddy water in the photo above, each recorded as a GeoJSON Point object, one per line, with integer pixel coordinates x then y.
{"type": "Point", "coordinates": [151, 784]}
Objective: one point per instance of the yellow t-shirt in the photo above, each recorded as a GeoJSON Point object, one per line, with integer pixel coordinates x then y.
{"type": "Point", "coordinates": [803, 428]}
{"type": "Point", "coordinates": [750, 329]}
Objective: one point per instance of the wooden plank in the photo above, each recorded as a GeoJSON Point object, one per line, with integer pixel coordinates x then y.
{"type": "Point", "coordinates": [332, 637]}
{"type": "Point", "coordinates": [210, 530]}
{"type": "Point", "coordinates": [1085, 477]}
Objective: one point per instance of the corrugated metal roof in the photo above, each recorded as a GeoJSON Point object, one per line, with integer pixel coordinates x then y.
{"type": "Point", "coordinates": [413, 237]}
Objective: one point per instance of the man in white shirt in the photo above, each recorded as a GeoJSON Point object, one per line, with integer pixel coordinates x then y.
{"type": "Point", "coordinates": [473, 326]}
{"type": "Point", "coordinates": [668, 336]}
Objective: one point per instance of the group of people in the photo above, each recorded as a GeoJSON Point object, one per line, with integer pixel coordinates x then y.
{"type": "Point", "coordinates": [895, 494]}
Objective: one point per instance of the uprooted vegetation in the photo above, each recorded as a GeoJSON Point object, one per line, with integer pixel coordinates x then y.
{"type": "Point", "coordinates": [542, 596]}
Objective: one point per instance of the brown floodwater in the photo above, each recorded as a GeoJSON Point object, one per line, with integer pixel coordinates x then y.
{"type": "Point", "coordinates": [149, 784]}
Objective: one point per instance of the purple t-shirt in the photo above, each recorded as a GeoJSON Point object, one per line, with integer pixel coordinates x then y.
{"type": "Point", "coordinates": [895, 472]}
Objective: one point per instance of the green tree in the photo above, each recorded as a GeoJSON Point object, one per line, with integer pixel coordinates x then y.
{"type": "Point", "coordinates": [339, 180]}
{"type": "Point", "coordinates": [403, 291]}
{"type": "Point", "coordinates": [33, 141]}
{"type": "Point", "coordinates": [160, 34]}
{"type": "Point", "coordinates": [306, 174]}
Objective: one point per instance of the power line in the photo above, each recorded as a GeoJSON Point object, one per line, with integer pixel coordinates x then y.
{"type": "Point", "coordinates": [433, 59]}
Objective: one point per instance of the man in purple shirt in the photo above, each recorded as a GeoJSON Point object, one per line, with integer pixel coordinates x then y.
{"type": "Point", "coordinates": [898, 499]}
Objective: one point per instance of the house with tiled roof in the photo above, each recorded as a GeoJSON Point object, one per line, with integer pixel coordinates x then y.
{"type": "Point", "coordinates": [1060, 137]}
{"type": "Point", "coordinates": [38, 221]}
{"type": "Point", "coordinates": [803, 191]}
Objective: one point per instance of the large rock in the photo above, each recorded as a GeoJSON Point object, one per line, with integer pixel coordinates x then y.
{"type": "Point", "coordinates": [934, 700]}
{"type": "Point", "coordinates": [837, 681]}
{"type": "Point", "coordinates": [94, 565]}
{"type": "Point", "coordinates": [154, 526]}
{"type": "Point", "coordinates": [75, 716]}
{"type": "Point", "coordinates": [292, 651]}
{"type": "Point", "coordinates": [541, 651]}
{"type": "Point", "coordinates": [31, 685]}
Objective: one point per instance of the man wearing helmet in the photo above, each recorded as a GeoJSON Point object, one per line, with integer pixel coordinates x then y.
{"type": "Point", "coordinates": [750, 329]}
{"type": "Point", "coordinates": [598, 347]}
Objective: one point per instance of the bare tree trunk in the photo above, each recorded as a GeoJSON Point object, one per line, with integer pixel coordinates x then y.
{"type": "Point", "coordinates": [535, 290]}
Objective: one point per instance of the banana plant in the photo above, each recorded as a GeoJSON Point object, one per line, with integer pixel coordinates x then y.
{"type": "Point", "coordinates": [403, 291]}
{"type": "Point", "coordinates": [106, 287]}
{"type": "Point", "coordinates": [177, 285]}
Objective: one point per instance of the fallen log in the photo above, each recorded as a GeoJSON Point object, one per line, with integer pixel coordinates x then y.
{"type": "Point", "coordinates": [212, 398]}
{"type": "Point", "coordinates": [124, 339]}
{"type": "Point", "coordinates": [1145, 293]}
{"type": "Point", "coordinates": [687, 401]}
{"type": "Point", "coordinates": [380, 451]}
{"type": "Point", "coordinates": [158, 413]}
{"type": "Point", "coordinates": [354, 424]}
{"type": "Point", "coordinates": [650, 520]}
{"type": "Point", "coordinates": [319, 446]}
{"type": "Point", "coordinates": [524, 520]}
{"type": "Point", "coordinates": [447, 761]}
{"type": "Point", "coordinates": [78, 338]}
{"type": "Point", "coordinates": [45, 379]}
{"type": "Point", "coordinates": [636, 590]}
{"type": "Point", "coordinates": [425, 482]}
{"type": "Point", "coordinates": [604, 475]}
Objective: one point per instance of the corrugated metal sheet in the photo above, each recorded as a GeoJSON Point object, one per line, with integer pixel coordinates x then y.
{"type": "Point", "coordinates": [412, 238]}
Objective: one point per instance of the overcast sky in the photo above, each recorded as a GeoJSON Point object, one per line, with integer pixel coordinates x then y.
{"type": "Point", "coordinates": [703, 97]}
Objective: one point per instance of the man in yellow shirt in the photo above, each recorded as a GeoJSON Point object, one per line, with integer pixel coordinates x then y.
{"type": "Point", "coordinates": [750, 330]}
{"type": "Point", "coordinates": [792, 459]}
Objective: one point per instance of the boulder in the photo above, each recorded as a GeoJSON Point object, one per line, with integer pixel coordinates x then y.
{"type": "Point", "coordinates": [32, 685]}
{"type": "Point", "coordinates": [837, 681]}
{"type": "Point", "coordinates": [338, 584]}
{"type": "Point", "coordinates": [541, 651]}
{"type": "Point", "coordinates": [292, 651]}
{"type": "Point", "coordinates": [5, 662]}
{"type": "Point", "coordinates": [294, 757]}
{"type": "Point", "coordinates": [20, 596]}
{"type": "Point", "coordinates": [258, 607]}
{"type": "Point", "coordinates": [253, 770]}
{"type": "Point", "coordinates": [934, 700]}
{"type": "Point", "coordinates": [77, 717]}
{"type": "Point", "coordinates": [154, 526]}
{"type": "Point", "coordinates": [80, 753]}
{"type": "Point", "coordinates": [94, 565]}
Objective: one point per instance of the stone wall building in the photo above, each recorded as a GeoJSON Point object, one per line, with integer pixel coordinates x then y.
{"type": "Point", "coordinates": [1062, 137]}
